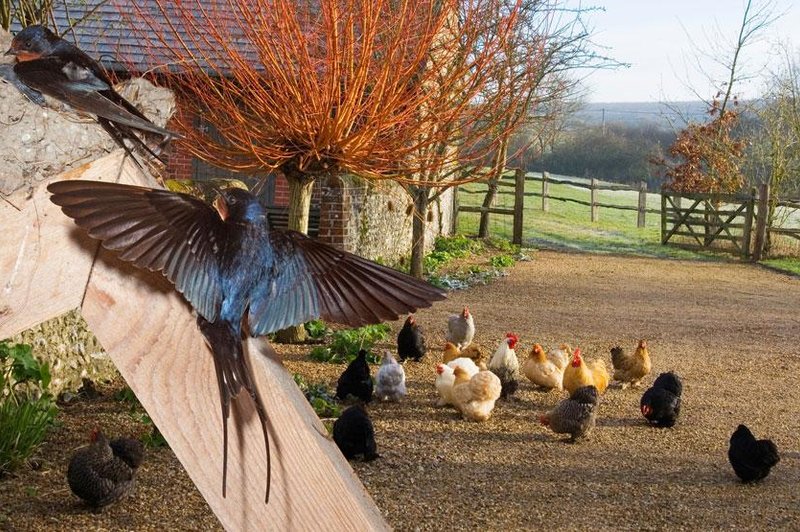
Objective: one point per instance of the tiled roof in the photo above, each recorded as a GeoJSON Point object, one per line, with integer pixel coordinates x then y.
{"type": "Point", "coordinates": [107, 35]}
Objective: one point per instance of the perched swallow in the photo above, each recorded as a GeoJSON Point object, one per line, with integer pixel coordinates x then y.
{"type": "Point", "coordinates": [227, 262]}
{"type": "Point", "coordinates": [7, 74]}
{"type": "Point", "coordinates": [50, 65]}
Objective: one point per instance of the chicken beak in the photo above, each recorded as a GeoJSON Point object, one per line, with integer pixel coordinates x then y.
{"type": "Point", "coordinates": [221, 206]}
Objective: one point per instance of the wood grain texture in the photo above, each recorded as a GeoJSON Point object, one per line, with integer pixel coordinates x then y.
{"type": "Point", "coordinates": [44, 259]}
{"type": "Point", "coordinates": [149, 331]}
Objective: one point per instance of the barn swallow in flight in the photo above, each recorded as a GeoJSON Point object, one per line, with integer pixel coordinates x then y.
{"type": "Point", "coordinates": [47, 64]}
{"type": "Point", "coordinates": [228, 263]}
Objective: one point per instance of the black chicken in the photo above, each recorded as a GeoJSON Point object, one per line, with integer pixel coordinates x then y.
{"type": "Point", "coordinates": [411, 340]}
{"type": "Point", "coordinates": [354, 434]}
{"type": "Point", "coordinates": [356, 380]}
{"type": "Point", "coordinates": [661, 403]}
{"type": "Point", "coordinates": [751, 459]}
{"type": "Point", "coordinates": [104, 472]}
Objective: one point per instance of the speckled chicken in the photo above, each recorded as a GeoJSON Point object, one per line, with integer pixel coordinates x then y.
{"type": "Point", "coordinates": [574, 416]}
{"type": "Point", "coordinates": [461, 329]}
{"type": "Point", "coordinates": [354, 434]}
{"type": "Point", "coordinates": [751, 459]}
{"type": "Point", "coordinates": [505, 364]}
{"type": "Point", "coordinates": [661, 403]}
{"type": "Point", "coordinates": [390, 381]}
{"type": "Point", "coordinates": [356, 380]}
{"type": "Point", "coordinates": [104, 472]}
{"type": "Point", "coordinates": [630, 369]}
{"type": "Point", "coordinates": [411, 340]}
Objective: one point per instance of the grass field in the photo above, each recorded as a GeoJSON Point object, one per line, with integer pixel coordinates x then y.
{"type": "Point", "coordinates": [568, 225]}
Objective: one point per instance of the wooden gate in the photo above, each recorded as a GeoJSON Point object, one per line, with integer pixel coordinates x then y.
{"type": "Point", "coordinates": [708, 218]}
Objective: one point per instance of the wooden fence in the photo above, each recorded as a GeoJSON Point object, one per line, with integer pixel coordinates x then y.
{"type": "Point", "coordinates": [518, 184]}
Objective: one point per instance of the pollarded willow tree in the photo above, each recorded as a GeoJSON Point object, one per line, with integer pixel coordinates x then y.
{"type": "Point", "coordinates": [325, 87]}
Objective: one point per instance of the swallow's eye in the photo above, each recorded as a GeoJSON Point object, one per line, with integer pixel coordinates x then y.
{"type": "Point", "coordinates": [28, 43]}
{"type": "Point", "coordinates": [231, 200]}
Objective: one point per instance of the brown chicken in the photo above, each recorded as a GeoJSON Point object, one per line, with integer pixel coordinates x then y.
{"type": "Point", "coordinates": [475, 397]}
{"type": "Point", "coordinates": [104, 472]}
{"type": "Point", "coordinates": [472, 351]}
{"type": "Point", "coordinates": [580, 373]}
{"type": "Point", "coordinates": [631, 369]}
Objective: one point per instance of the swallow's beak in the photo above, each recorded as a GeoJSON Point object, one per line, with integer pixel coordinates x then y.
{"type": "Point", "coordinates": [221, 206]}
{"type": "Point", "coordinates": [11, 51]}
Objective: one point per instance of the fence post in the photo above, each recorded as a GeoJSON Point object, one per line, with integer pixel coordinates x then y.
{"type": "Point", "coordinates": [519, 203]}
{"type": "Point", "coordinates": [747, 228]}
{"type": "Point", "coordinates": [545, 192]}
{"type": "Point", "coordinates": [642, 203]}
{"type": "Point", "coordinates": [595, 208]}
{"type": "Point", "coordinates": [663, 216]}
{"type": "Point", "coordinates": [761, 221]}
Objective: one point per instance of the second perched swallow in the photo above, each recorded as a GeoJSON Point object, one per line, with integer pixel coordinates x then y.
{"type": "Point", "coordinates": [235, 270]}
{"type": "Point", "coordinates": [47, 64]}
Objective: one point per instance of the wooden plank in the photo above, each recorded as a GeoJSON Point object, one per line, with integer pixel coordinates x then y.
{"type": "Point", "coordinates": [165, 361]}
{"type": "Point", "coordinates": [493, 210]}
{"type": "Point", "coordinates": [150, 333]}
{"type": "Point", "coordinates": [44, 259]}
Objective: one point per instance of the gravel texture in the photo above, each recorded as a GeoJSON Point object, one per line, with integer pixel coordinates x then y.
{"type": "Point", "coordinates": [729, 330]}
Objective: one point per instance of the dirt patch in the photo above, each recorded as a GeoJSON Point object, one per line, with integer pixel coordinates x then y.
{"type": "Point", "coordinates": [729, 330]}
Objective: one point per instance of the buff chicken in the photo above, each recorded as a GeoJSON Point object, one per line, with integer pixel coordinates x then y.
{"type": "Point", "coordinates": [542, 371]}
{"type": "Point", "coordinates": [475, 396]}
{"type": "Point", "coordinates": [581, 373]}
{"type": "Point", "coordinates": [445, 378]}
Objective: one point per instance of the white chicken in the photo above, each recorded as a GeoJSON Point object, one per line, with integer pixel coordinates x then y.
{"type": "Point", "coordinates": [461, 329]}
{"type": "Point", "coordinates": [475, 397]}
{"type": "Point", "coordinates": [505, 365]}
{"type": "Point", "coordinates": [390, 381]}
{"type": "Point", "coordinates": [445, 378]}
{"type": "Point", "coordinates": [542, 371]}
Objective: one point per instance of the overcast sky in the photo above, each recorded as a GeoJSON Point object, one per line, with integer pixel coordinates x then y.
{"type": "Point", "coordinates": [654, 36]}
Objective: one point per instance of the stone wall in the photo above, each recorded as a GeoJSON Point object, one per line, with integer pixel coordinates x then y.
{"type": "Point", "coordinates": [374, 219]}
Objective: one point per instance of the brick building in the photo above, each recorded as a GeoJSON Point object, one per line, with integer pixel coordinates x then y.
{"type": "Point", "coordinates": [370, 219]}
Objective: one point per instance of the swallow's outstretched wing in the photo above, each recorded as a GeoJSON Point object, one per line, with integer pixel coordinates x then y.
{"type": "Point", "coordinates": [154, 229]}
{"type": "Point", "coordinates": [314, 279]}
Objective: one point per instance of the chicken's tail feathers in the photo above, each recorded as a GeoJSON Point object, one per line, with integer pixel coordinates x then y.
{"type": "Point", "coordinates": [233, 374]}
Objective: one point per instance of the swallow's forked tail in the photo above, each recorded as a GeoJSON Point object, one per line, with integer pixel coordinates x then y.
{"type": "Point", "coordinates": [233, 374]}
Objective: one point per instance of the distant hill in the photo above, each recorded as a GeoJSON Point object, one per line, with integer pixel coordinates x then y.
{"type": "Point", "coordinates": [663, 114]}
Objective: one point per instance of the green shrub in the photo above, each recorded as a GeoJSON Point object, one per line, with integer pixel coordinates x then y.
{"type": "Point", "coordinates": [317, 329]}
{"type": "Point", "coordinates": [502, 261]}
{"type": "Point", "coordinates": [322, 400]}
{"type": "Point", "coordinates": [345, 344]}
{"type": "Point", "coordinates": [27, 410]}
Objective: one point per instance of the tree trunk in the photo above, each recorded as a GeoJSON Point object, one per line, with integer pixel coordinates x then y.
{"type": "Point", "coordinates": [300, 188]}
{"type": "Point", "coordinates": [418, 224]}
{"type": "Point", "coordinates": [498, 165]}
